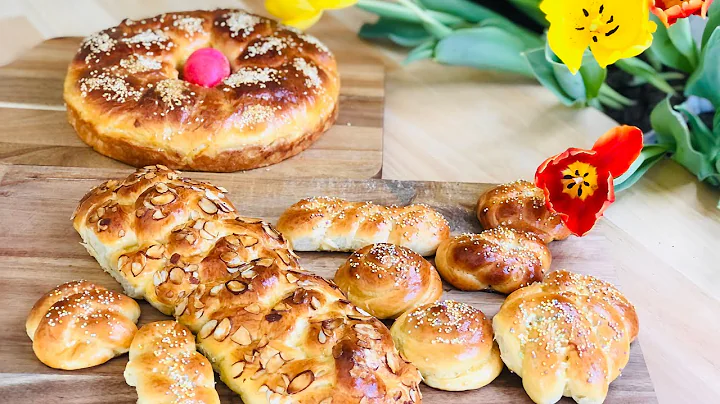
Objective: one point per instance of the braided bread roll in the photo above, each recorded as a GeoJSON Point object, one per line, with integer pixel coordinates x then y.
{"type": "Point", "coordinates": [334, 224]}
{"type": "Point", "coordinates": [387, 280]}
{"type": "Point", "coordinates": [520, 205]}
{"type": "Point", "coordinates": [79, 325]}
{"type": "Point", "coordinates": [166, 369]}
{"type": "Point", "coordinates": [274, 332]}
{"type": "Point", "coordinates": [569, 336]}
{"type": "Point", "coordinates": [500, 259]}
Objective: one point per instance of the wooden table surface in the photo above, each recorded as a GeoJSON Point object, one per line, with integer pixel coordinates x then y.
{"type": "Point", "coordinates": [457, 124]}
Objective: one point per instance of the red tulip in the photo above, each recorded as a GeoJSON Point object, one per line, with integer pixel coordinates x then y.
{"type": "Point", "coordinates": [669, 11]}
{"type": "Point", "coordinates": [578, 183]}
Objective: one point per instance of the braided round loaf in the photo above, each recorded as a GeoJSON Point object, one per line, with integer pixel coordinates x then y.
{"type": "Point", "coordinates": [569, 336]}
{"type": "Point", "coordinates": [274, 332]}
{"type": "Point", "coordinates": [126, 99]}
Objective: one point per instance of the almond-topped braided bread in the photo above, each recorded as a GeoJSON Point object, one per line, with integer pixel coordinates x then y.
{"type": "Point", "coordinates": [166, 368]}
{"type": "Point", "coordinates": [334, 224]}
{"type": "Point", "coordinates": [126, 99]}
{"type": "Point", "coordinates": [568, 336]}
{"type": "Point", "coordinates": [80, 324]}
{"type": "Point", "coordinates": [273, 331]}
{"type": "Point", "coordinates": [520, 205]}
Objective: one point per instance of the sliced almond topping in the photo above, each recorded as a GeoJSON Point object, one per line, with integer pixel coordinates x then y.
{"type": "Point", "coordinates": [150, 175]}
{"type": "Point", "coordinates": [136, 268]}
{"type": "Point", "coordinates": [248, 241]}
{"type": "Point", "coordinates": [160, 277]}
{"type": "Point", "coordinates": [274, 364]}
{"type": "Point", "coordinates": [211, 228]}
{"type": "Point", "coordinates": [260, 373]}
{"type": "Point", "coordinates": [314, 303]}
{"type": "Point", "coordinates": [222, 330]}
{"type": "Point", "coordinates": [155, 252]}
{"type": "Point", "coordinates": [192, 268]}
{"type": "Point", "coordinates": [413, 395]}
{"type": "Point", "coordinates": [232, 240]}
{"type": "Point", "coordinates": [139, 213]}
{"type": "Point", "coordinates": [368, 331]}
{"type": "Point", "coordinates": [287, 357]}
{"type": "Point", "coordinates": [291, 278]}
{"type": "Point", "coordinates": [207, 236]}
{"type": "Point", "coordinates": [180, 308]}
{"type": "Point", "coordinates": [93, 218]}
{"type": "Point", "coordinates": [253, 308]}
{"type": "Point", "coordinates": [235, 286]}
{"type": "Point", "coordinates": [241, 336]}
{"type": "Point", "coordinates": [301, 382]}
{"type": "Point", "coordinates": [322, 338]}
{"type": "Point", "coordinates": [207, 329]}
{"type": "Point", "coordinates": [208, 206]}
{"type": "Point", "coordinates": [161, 187]}
{"type": "Point", "coordinates": [199, 224]}
{"type": "Point", "coordinates": [157, 214]}
{"type": "Point", "coordinates": [122, 261]}
{"type": "Point", "coordinates": [190, 238]}
{"type": "Point", "coordinates": [215, 290]}
{"type": "Point", "coordinates": [284, 256]}
{"type": "Point", "coordinates": [237, 369]}
{"type": "Point", "coordinates": [264, 388]}
{"type": "Point", "coordinates": [248, 220]}
{"type": "Point", "coordinates": [162, 199]}
{"type": "Point", "coordinates": [271, 231]}
{"type": "Point", "coordinates": [177, 275]}
{"type": "Point", "coordinates": [198, 304]}
{"type": "Point", "coordinates": [264, 262]}
{"type": "Point", "coordinates": [392, 361]}
{"type": "Point", "coordinates": [199, 313]}
{"type": "Point", "coordinates": [249, 274]}
{"type": "Point", "coordinates": [231, 258]}
{"type": "Point", "coordinates": [326, 401]}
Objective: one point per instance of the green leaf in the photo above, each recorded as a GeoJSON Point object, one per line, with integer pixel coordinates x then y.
{"type": "Point", "coordinates": [702, 138]}
{"type": "Point", "coordinates": [532, 9]}
{"type": "Point", "coordinates": [640, 69]}
{"type": "Point", "coordinates": [461, 8]}
{"type": "Point", "coordinates": [608, 92]}
{"type": "Point", "coordinates": [423, 51]}
{"type": "Point", "coordinates": [431, 24]}
{"type": "Point", "coordinates": [583, 86]}
{"type": "Point", "coordinates": [483, 48]}
{"type": "Point", "coordinates": [592, 74]}
{"type": "Point", "coordinates": [544, 73]}
{"type": "Point", "coordinates": [394, 11]}
{"type": "Point", "coordinates": [681, 37]}
{"type": "Point", "coordinates": [530, 39]}
{"type": "Point", "coordinates": [671, 129]}
{"type": "Point", "coordinates": [664, 49]}
{"type": "Point", "coordinates": [402, 33]}
{"type": "Point", "coordinates": [713, 22]}
{"type": "Point", "coordinates": [649, 156]}
{"type": "Point", "coordinates": [705, 81]}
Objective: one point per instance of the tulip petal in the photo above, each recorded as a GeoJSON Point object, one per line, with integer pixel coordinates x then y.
{"type": "Point", "coordinates": [332, 4]}
{"type": "Point", "coordinates": [290, 9]}
{"type": "Point", "coordinates": [568, 44]}
{"type": "Point", "coordinates": [618, 149]}
{"type": "Point", "coordinates": [303, 22]}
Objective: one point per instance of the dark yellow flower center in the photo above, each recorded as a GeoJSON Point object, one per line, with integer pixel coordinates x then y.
{"type": "Point", "coordinates": [598, 23]}
{"type": "Point", "coordinates": [579, 180]}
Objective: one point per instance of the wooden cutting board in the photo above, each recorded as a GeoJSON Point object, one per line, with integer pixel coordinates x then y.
{"type": "Point", "coordinates": [35, 129]}
{"type": "Point", "coordinates": [39, 249]}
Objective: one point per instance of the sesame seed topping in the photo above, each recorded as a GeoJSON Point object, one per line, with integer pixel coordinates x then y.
{"type": "Point", "coordinates": [97, 43]}
{"type": "Point", "coordinates": [248, 76]}
{"type": "Point", "coordinates": [312, 79]}
{"type": "Point", "coordinates": [149, 38]}
{"type": "Point", "coordinates": [114, 88]}
{"type": "Point", "coordinates": [139, 64]}
{"type": "Point", "coordinates": [172, 92]}
{"type": "Point", "coordinates": [240, 22]}
{"type": "Point", "coordinates": [255, 114]}
{"type": "Point", "coordinates": [190, 25]}
{"type": "Point", "coordinates": [314, 41]}
{"type": "Point", "coordinates": [266, 45]}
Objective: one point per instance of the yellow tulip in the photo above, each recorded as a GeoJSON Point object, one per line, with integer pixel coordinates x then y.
{"type": "Point", "coordinates": [614, 29]}
{"type": "Point", "coordinates": [303, 14]}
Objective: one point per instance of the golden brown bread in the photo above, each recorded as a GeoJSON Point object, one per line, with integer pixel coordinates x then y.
{"type": "Point", "coordinates": [125, 98]}
{"type": "Point", "coordinates": [79, 324]}
{"type": "Point", "coordinates": [501, 259]}
{"type": "Point", "coordinates": [569, 336]}
{"type": "Point", "coordinates": [166, 369]}
{"type": "Point", "coordinates": [451, 343]}
{"type": "Point", "coordinates": [273, 331]}
{"type": "Point", "coordinates": [520, 205]}
{"type": "Point", "coordinates": [387, 280]}
{"type": "Point", "coordinates": [334, 224]}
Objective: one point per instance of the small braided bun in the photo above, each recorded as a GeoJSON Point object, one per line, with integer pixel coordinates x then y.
{"type": "Point", "coordinates": [451, 343]}
{"type": "Point", "coordinates": [387, 280]}
{"type": "Point", "coordinates": [79, 324]}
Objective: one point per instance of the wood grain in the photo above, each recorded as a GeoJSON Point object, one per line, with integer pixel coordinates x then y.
{"type": "Point", "coordinates": [39, 249]}
{"type": "Point", "coordinates": [35, 129]}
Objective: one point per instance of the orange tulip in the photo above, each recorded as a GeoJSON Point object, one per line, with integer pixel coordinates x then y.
{"type": "Point", "coordinates": [669, 11]}
{"type": "Point", "coordinates": [578, 183]}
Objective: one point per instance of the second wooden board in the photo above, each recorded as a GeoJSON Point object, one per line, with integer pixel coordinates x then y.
{"type": "Point", "coordinates": [40, 249]}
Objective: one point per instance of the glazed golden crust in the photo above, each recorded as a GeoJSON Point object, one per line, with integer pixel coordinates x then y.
{"type": "Point", "coordinates": [501, 259]}
{"type": "Point", "coordinates": [79, 324]}
{"type": "Point", "coordinates": [166, 369]}
{"type": "Point", "coordinates": [334, 224]}
{"type": "Point", "coordinates": [520, 205]}
{"type": "Point", "coordinates": [271, 330]}
{"type": "Point", "coordinates": [451, 343]}
{"type": "Point", "coordinates": [568, 335]}
{"type": "Point", "coordinates": [387, 280]}
{"type": "Point", "coordinates": [126, 100]}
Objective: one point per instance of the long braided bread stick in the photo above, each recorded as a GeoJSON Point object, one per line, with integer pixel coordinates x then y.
{"type": "Point", "coordinates": [273, 332]}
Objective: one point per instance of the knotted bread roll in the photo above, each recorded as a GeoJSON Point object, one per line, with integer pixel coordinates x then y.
{"type": "Point", "coordinates": [273, 332]}
{"type": "Point", "coordinates": [451, 343]}
{"type": "Point", "coordinates": [334, 224]}
{"type": "Point", "coordinates": [569, 336]}
{"type": "Point", "coordinates": [501, 259]}
{"type": "Point", "coordinates": [79, 325]}
{"type": "Point", "coordinates": [166, 369]}
{"type": "Point", "coordinates": [387, 280]}
{"type": "Point", "coordinates": [520, 205]}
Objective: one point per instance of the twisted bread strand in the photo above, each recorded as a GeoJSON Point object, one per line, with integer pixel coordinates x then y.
{"type": "Point", "coordinates": [274, 332]}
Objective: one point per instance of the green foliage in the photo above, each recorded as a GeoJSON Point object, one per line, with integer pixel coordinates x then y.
{"type": "Point", "coordinates": [403, 33]}
{"type": "Point", "coordinates": [645, 72]}
{"type": "Point", "coordinates": [663, 47]}
{"type": "Point", "coordinates": [464, 9]}
{"type": "Point", "coordinates": [650, 155]}
{"type": "Point", "coordinates": [713, 22]}
{"type": "Point", "coordinates": [532, 9]}
{"type": "Point", "coordinates": [705, 81]}
{"type": "Point", "coordinates": [672, 131]}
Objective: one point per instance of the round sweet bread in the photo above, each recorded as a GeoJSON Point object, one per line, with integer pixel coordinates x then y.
{"type": "Point", "coordinates": [126, 98]}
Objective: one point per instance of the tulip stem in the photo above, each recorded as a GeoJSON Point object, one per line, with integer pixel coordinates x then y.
{"type": "Point", "coordinates": [402, 13]}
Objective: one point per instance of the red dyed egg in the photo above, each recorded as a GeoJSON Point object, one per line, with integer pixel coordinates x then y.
{"type": "Point", "coordinates": [206, 67]}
